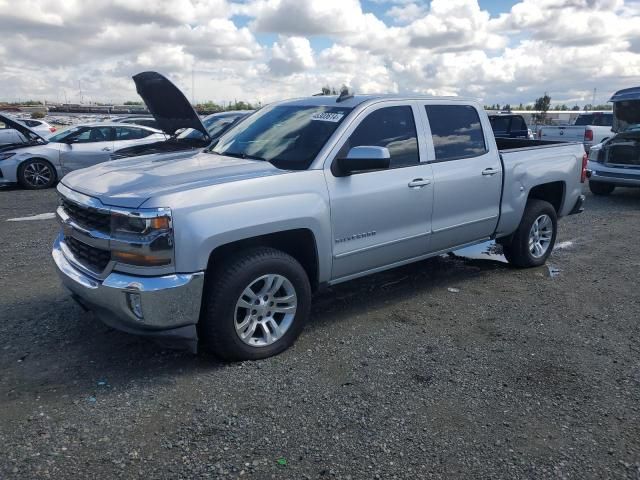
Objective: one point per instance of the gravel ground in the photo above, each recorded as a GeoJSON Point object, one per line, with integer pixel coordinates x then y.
{"type": "Point", "coordinates": [451, 367]}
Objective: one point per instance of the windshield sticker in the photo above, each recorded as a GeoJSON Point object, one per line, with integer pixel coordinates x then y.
{"type": "Point", "coordinates": [327, 116]}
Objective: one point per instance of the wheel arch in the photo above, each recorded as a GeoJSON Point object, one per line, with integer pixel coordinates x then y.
{"type": "Point", "coordinates": [20, 166]}
{"type": "Point", "coordinates": [300, 243]}
{"type": "Point", "coordinates": [552, 192]}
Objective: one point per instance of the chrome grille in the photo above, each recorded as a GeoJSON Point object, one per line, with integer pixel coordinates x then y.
{"type": "Point", "coordinates": [87, 217]}
{"type": "Point", "coordinates": [93, 258]}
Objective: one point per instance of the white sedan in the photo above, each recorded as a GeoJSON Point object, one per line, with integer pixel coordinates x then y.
{"type": "Point", "coordinates": [9, 135]}
{"type": "Point", "coordinates": [35, 162]}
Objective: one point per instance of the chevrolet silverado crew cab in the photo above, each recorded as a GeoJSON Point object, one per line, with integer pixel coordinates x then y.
{"type": "Point", "coordinates": [225, 248]}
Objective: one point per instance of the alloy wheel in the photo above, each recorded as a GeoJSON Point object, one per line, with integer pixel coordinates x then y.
{"type": "Point", "coordinates": [265, 310]}
{"type": "Point", "coordinates": [540, 236]}
{"type": "Point", "coordinates": [38, 174]}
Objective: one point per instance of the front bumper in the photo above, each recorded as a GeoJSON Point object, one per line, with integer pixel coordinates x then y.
{"type": "Point", "coordinates": [165, 307]}
{"type": "Point", "coordinates": [619, 176]}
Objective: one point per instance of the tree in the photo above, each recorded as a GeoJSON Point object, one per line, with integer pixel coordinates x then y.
{"type": "Point", "coordinates": [131, 102]}
{"type": "Point", "coordinates": [575, 108]}
{"type": "Point", "coordinates": [542, 105]}
{"type": "Point", "coordinates": [507, 107]}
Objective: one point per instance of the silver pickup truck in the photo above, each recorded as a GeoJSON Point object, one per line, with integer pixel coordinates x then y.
{"type": "Point", "coordinates": [225, 248]}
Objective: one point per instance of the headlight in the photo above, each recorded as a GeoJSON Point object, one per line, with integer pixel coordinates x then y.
{"type": "Point", "coordinates": [4, 156]}
{"type": "Point", "coordinates": [141, 223]}
{"type": "Point", "coordinates": [142, 238]}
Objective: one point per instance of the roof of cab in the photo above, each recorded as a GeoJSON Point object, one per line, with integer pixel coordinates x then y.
{"type": "Point", "coordinates": [355, 100]}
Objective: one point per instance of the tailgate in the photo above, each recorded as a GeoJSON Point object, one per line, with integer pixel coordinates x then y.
{"type": "Point", "coordinates": [564, 133]}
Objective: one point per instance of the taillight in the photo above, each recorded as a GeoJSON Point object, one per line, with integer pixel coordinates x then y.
{"type": "Point", "coordinates": [52, 129]}
{"type": "Point", "coordinates": [583, 173]}
{"type": "Point", "coordinates": [588, 135]}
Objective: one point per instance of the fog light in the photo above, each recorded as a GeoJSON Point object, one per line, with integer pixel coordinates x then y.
{"type": "Point", "coordinates": [135, 304]}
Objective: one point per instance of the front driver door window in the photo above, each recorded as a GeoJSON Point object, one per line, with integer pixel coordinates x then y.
{"type": "Point", "coordinates": [88, 146]}
{"type": "Point", "coordinates": [381, 217]}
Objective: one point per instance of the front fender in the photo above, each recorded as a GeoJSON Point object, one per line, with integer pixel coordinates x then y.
{"type": "Point", "coordinates": [234, 211]}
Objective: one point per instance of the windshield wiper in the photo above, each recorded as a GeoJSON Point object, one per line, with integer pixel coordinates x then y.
{"type": "Point", "coordinates": [242, 155]}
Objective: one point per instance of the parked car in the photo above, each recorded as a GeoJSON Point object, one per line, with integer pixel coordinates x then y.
{"type": "Point", "coordinates": [508, 125]}
{"type": "Point", "coordinates": [589, 128]}
{"type": "Point", "coordinates": [226, 247]}
{"type": "Point", "coordinates": [145, 121]}
{"type": "Point", "coordinates": [189, 141]}
{"type": "Point", "coordinates": [35, 162]}
{"type": "Point", "coordinates": [10, 135]}
{"type": "Point", "coordinates": [616, 161]}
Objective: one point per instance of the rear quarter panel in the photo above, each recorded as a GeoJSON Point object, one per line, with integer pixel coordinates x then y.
{"type": "Point", "coordinates": [526, 168]}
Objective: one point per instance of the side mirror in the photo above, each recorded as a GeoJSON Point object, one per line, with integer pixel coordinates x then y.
{"type": "Point", "coordinates": [364, 158]}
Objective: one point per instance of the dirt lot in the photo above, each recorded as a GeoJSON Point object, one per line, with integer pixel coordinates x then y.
{"type": "Point", "coordinates": [510, 374]}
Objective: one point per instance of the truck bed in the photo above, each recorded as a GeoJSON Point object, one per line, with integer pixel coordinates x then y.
{"type": "Point", "coordinates": [506, 144]}
{"type": "Point", "coordinates": [530, 162]}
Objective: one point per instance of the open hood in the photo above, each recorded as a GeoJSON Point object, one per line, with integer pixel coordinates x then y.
{"type": "Point", "coordinates": [626, 109]}
{"type": "Point", "coordinates": [167, 103]}
{"type": "Point", "coordinates": [26, 132]}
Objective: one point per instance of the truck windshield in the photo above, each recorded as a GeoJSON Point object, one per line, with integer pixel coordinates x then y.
{"type": "Point", "coordinates": [288, 136]}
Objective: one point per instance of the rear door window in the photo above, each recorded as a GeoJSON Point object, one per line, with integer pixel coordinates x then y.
{"type": "Point", "coordinates": [456, 131]}
{"type": "Point", "coordinates": [131, 133]}
{"type": "Point", "coordinates": [390, 127]}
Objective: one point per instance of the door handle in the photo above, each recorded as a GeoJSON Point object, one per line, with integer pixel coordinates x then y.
{"type": "Point", "coordinates": [106, 149]}
{"type": "Point", "coordinates": [490, 171]}
{"type": "Point", "coordinates": [419, 183]}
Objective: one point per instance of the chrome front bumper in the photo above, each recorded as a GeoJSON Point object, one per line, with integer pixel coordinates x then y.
{"type": "Point", "coordinates": [167, 307]}
{"type": "Point", "coordinates": [621, 177]}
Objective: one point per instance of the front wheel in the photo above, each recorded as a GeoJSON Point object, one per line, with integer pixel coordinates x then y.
{"type": "Point", "coordinates": [601, 188]}
{"type": "Point", "coordinates": [36, 174]}
{"type": "Point", "coordinates": [533, 242]}
{"type": "Point", "coordinates": [256, 305]}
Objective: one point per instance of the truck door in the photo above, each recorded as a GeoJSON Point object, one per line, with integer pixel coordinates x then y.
{"type": "Point", "coordinates": [381, 217]}
{"type": "Point", "coordinates": [467, 176]}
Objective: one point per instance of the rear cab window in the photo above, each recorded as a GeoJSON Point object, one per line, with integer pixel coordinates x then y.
{"type": "Point", "coordinates": [456, 131]}
{"type": "Point", "coordinates": [595, 119]}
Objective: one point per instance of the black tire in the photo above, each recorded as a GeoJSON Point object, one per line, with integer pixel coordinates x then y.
{"type": "Point", "coordinates": [518, 252]}
{"type": "Point", "coordinates": [601, 188]}
{"type": "Point", "coordinates": [217, 326]}
{"type": "Point", "coordinates": [36, 174]}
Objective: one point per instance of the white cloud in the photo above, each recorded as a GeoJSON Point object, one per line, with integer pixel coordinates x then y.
{"type": "Point", "coordinates": [270, 49]}
{"type": "Point", "coordinates": [291, 55]}
{"type": "Point", "coordinates": [406, 13]}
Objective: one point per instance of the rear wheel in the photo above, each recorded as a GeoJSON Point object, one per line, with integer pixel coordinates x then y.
{"type": "Point", "coordinates": [36, 174]}
{"type": "Point", "coordinates": [601, 188]}
{"type": "Point", "coordinates": [533, 242]}
{"type": "Point", "coordinates": [256, 305]}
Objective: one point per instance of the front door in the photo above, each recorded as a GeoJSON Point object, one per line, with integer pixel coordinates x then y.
{"type": "Point", "coordinates": [381, 217]}
{"type": "Point", "coordinates": [467, 176]}
{"type": "Point", "coordinates": [86, 147]}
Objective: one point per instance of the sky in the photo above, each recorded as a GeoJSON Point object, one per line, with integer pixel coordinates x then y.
{"type": "Point", "coordinates": [266, 50]}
